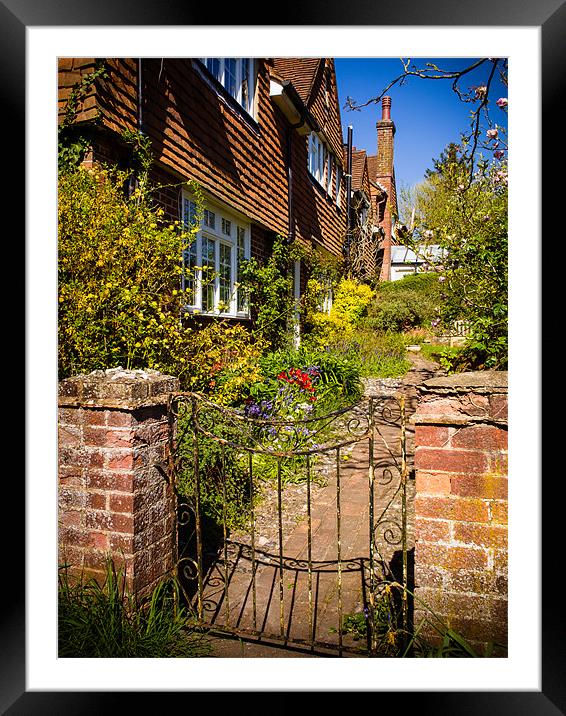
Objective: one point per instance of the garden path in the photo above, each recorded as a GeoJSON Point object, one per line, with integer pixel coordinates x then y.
{"type": "Point", "coordinates": [319, 612]}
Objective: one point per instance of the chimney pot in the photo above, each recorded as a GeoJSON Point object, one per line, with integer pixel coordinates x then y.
{"type": "Point", "coordinates": [386, 108]}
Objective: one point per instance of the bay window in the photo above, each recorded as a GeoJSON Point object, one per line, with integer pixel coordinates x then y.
{"type": "Point", "coordinates": [212, 263]}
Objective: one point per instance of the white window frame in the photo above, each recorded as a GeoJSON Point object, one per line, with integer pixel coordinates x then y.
{"type": "Point", "coordinates": [321, 162]}
{"type": "Point", "coordinates": [234, 308]}
{"type": "Point", "coordinates": [242, 66]}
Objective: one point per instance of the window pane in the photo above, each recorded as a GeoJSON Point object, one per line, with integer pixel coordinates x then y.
{"type": "Point", "coordinates": [241, 299]}
{"type": "Point", "coordinates": [213, 66]}
{"type": "Point", "coordinates": [230, 75]}
{"type": "Point", "coordinates": [226, 227]}
{"type": "Point", "coordinates": [209, 219]}
{"type": "Point", "coordinates": [225, 276]}
{"type": "Point", "coordinates": [208, 273]}
{"type": "Point", "coordinates": [189, 275]}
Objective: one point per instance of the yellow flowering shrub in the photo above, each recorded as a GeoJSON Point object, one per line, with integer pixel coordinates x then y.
{"type": "Point", "coordinates": [350, 302]}
{"type": "Point", "coordinates": [120, 302]}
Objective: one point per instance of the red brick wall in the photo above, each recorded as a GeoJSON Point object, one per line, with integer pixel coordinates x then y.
{"type": "Point", "coordinates": [114, 500]}
{"type": "Point", "coordinates": [461, 504]}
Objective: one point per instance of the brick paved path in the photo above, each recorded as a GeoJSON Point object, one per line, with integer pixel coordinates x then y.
{"type": "Point", "coordinates": [293, 605]}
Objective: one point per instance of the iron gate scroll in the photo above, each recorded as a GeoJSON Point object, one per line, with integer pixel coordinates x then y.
{"type": "Point", "coordinates": [327, 567]}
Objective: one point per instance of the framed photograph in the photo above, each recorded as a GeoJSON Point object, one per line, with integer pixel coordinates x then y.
{"type": "Point", "coordinates": [32, 37]}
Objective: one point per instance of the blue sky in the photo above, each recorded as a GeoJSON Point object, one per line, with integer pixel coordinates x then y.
{"type": "Point", "coordinates": [427, 113]}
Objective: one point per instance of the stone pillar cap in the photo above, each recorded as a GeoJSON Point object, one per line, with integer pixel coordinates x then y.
{"type": "Point", "coordinates": [473, 380]}
{"type": "Point", "coordinates": [117, 388]}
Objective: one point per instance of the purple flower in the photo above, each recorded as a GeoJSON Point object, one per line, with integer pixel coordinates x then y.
{"type": "Point", "coordinates": [502, 102]}
{"type": "Point", "coordinates": [492, 133]}
{"type": "Point", "coordinates": [498, 154]}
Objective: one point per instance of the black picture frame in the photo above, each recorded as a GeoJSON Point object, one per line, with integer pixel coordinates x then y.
{"type": "Point", "coordinates": [550, 16]}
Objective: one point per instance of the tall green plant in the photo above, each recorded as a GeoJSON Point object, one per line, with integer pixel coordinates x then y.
{"type": "Point", "coordinates": [269, 287]}
{"type": "Point", "coordinates": [106, 621]}
{"type": "Point", "coordinates": [468, 220]}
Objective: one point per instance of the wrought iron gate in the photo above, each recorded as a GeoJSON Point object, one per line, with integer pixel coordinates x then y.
{"type": "Point", "coordinates": [332, 576]}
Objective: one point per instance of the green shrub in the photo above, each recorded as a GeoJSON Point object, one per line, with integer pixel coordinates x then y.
{"type": "Point", "coordinates": [105, 621]}
{"type": "Point", "coordinates": [411, 302]}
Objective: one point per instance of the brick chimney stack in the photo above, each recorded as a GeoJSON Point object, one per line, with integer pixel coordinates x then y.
{"type": "Point", "coordinates": [385, 133]}
{"type": "Point", "coordinates": [385, 176]}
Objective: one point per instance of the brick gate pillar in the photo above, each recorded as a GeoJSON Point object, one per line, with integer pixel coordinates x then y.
{"type": "Point", "coordinates": [115, 499]}
{"type": "Point", "coordinates": [461, 503]}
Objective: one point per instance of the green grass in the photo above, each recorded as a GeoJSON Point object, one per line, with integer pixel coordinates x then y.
{"type": "Point", "coordinates": [379, 354]}
{"type": "Point", "coordinates": [105, 621]}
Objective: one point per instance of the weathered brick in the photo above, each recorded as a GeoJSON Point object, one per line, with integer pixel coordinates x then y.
{"type": "Point", "coordinates": [487, 486]}
{"type": "Point", "coordinates": [447, 557]}
{"type": "Point", "coordinates": [99, 520]}
{"type": "Point", "coordinates": [119, 419]}
{"type": "Point", "coordinates": [430, 530]}
{"type": "Point", "coordinates": [500, 560]}
{"type": "Point", "coordinates": [498, 406]}
{"type": "Point", "coordinates": [123, 523]}
{"type": "Point", "coordinates": [432, 577]}
{"type": "Point", "coordinates": [70, 499]}
{"type": "Point", "coordinates": [121, 460]}
{"type": "Point", "coordinates": [70, 416]}
{"type": "Point", "coordinates": [499, 511]}
{"type": "Point", "coordinates": [69, 436]}
{"type": "Point", "coordinates": [432, 483]}
{"type": "Point", "coordinates": [95, 559]}
{"type": "Point", "coordinates": [109, 438]}
{"type": "Point", "coordinates": [70, 554]}
{"type": "Point", "coordinates": [96, 458]}
{"type": "Point", "coordinates": [71, 476]}
{"type": "Point", "coordinates": [108, 480]}
{"type": "Point", "coordinates": [452, 508]}
{"type": "Point", "coordinates": [99, 540]}
{"type": "Point", "coordinates": [122, 502]}
{"type": "Point", "coordinates": [477, 629]}
{"type": "Point", "coordinates": [481, 437]}
{"type": "Point", "coordinates": [498, 463]}
{"type": "Point", "coordinates": [431, 436]}
{"type": "Point", "coordinates": [100, 481]}
{"type": "Point", "coordinates": [70, 518]}
{"type": "Point", "coordinates": [95, 416]}
{"type": "Point", "coordinates": [76, 457]}
{"type": "Point", "coordinates": [121, 543]}
{"type": "Point", "coordinates": [472, 581]}
{"type": "Point", "coordinates": [481, 535]}
{"type": "Point", "coordinates": [449, 460]}
{"type": "Point", "coordinates": [97, 500]}
{"type": "Point", "coordinates": [71, 535]}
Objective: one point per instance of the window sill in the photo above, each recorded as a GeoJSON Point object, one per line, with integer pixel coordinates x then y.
{"type": "Point", "coordinates": [196, 312]}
